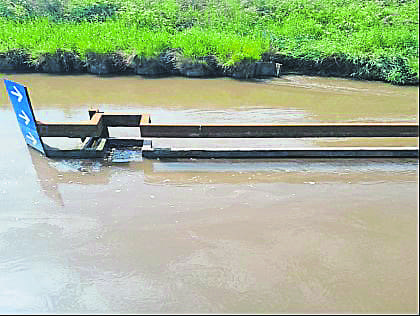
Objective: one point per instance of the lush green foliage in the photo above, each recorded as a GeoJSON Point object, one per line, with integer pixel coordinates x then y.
{"type": "Point", "coordinates": [382, 32]}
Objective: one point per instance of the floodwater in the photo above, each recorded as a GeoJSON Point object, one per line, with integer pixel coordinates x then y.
{"type": "Point", "coordinates": [209, 236]}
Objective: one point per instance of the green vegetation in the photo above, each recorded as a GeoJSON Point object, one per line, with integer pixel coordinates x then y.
{"type": "Point", "coordinates": [379, 36]}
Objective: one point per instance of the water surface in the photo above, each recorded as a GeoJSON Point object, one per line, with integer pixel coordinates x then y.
{"type": "Point", "coordinates": [210, 236]}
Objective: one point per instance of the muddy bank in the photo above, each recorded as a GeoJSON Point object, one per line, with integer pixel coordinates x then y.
{"type": "Point", "coordinates": [166, 64]}
{"type": "Point", "coordinates": [383, 69]}
{"type": "Point", "coordinates": [172, 62]}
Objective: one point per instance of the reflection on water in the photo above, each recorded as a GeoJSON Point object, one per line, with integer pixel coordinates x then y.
{"type": "Point", "coordinates": [208, 236]}
{"type": "Point", "coordinates": [50, 172]}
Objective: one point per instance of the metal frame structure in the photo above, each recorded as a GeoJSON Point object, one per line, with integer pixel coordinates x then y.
{"type": "Point", "coordinates": [96, 141]}
{"type": "Point", "coordinates": [97, 134]}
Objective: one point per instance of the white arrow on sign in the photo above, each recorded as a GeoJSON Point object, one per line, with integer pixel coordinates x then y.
{"type": "Point", "coordinates": [17, 93]}
{"type": "Point", "coordinates": [29, 135]}
{"type": "Point", "coordinates": [25, 117]}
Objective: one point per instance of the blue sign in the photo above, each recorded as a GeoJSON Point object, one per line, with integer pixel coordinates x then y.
{"type": "Point", "coordinates": [22, 105]}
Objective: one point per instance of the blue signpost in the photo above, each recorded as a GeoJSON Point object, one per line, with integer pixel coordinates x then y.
{"type": "Point", "coordinates": [22, 105]}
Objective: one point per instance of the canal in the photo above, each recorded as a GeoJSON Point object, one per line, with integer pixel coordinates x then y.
{"type": "Point", "coordinates": [209, 236]}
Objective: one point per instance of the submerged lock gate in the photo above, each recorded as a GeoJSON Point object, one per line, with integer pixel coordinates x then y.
{"type": "Point", "coordinates": [96, 142]}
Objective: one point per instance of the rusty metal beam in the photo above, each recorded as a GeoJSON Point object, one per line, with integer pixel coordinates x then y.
{"type": "Point", "coordinates": [98, 125]}
{"type": "Point", "coordinates": [91, 128]}
{"type": "Point", "coordinates": [116, 119]}
{"type": "Point", "coordinates": [279, 130]}
{"type": "Point", "coordinates": [121, 119]}
{"type": "Point", "coordinates": [255, 153]}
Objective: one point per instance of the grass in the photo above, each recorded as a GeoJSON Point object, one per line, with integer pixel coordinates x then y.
{"type": "Point", "coordinates": [380, 35]}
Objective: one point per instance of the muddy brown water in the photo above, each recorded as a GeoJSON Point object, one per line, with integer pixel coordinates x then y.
{"type": "Point", "coordinates": [209, 236]}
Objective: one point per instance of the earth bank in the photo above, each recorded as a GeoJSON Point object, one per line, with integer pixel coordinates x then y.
{"type": "Point", "coordinates": [172, 62]}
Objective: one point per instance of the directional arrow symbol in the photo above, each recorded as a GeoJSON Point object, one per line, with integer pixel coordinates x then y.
{"type": "Point", "coordinates": [25, 117]}
{"type": "Point", "coordinates": [29, 135]}
{"type": "Point", "coordinates": [17, 93]}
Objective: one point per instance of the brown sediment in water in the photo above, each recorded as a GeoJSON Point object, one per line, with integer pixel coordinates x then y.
{"type": "Point", "coordinates": [172, 62]}
{"type": "Point", "coordinates": [266, 236]}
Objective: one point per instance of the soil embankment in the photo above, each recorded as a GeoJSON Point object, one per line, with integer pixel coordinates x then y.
{"type": "Point", "coordinates": [166, 64]}
{"type": "Point", "coordinates": [172, 62]}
